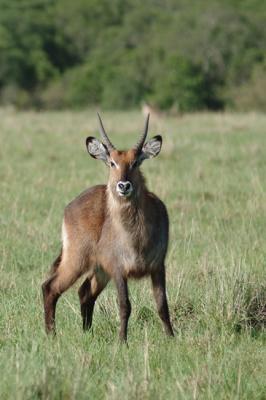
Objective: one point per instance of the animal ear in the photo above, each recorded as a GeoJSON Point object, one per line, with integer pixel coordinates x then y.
{"type": "Point", "coordinates": [152, 148]}
{"type": "Point", "coordinates": [97, 149]}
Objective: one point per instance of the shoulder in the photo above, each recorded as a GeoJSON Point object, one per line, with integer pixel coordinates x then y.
{"type": "Point", "coordinates": [93, 197]}
{"type": "Point", "coordinates": [157, 204]}
{"type": "Point", "coordinates": [87, 212]}
{"type": "Point", "coordinates": [152, 198]}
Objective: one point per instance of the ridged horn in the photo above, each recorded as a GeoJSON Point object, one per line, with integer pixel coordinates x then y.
{"type": "Point", "coordinates": [141, 141]}
{"type": "Point", "coordinates": [105, 138]}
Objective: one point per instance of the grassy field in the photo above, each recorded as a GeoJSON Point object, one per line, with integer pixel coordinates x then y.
{"type": "Point", "coordinates": [211, 173]}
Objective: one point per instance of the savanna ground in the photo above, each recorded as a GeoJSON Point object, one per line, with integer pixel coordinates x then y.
{"type": "Point", "coordinates": [211, 174]}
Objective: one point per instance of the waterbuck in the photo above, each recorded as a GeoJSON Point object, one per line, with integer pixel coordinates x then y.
{"type": "Point", "coordinates": [114, 231]}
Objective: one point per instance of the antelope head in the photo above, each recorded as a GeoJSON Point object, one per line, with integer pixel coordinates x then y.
{"type": "Point", "coordinates": [124, 178]}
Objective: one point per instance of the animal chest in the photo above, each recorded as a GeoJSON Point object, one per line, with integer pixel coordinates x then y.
{"type": "Point", "coordinates": [136, 252]}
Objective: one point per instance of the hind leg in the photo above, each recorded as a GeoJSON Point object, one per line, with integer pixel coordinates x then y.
{"type": "Point", "coordinates": [64, 274]}
{"type": "Point", "coordinates": [88, 293]}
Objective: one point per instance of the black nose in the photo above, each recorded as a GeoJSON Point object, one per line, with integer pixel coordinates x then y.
{"type": "Point", "coordinates": [124, 186]}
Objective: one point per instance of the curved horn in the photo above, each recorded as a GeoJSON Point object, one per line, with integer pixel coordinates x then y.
{"type": "Point", "coordinates": [142, 138]}
{"type": "Point", "coordinates": [105, 138]}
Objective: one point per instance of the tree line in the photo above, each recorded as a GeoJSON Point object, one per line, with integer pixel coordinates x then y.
{"type": "Point", "coordinates": [179, 55]}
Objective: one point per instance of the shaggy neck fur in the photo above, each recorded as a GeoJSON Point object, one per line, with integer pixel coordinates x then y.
{"type": "Point", "coordinates": [128, 213]}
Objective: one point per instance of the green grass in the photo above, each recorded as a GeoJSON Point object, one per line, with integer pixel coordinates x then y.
{"type": "Point", "coordinates": [211, 174]}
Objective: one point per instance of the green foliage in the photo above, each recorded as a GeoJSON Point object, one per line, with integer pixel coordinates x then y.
{"type": "Point", "coordinates": [182, 87]}
{"type": "Point", "coordinates": [183, 55]}
{"type": "Point", "coordinates": [251, 95]}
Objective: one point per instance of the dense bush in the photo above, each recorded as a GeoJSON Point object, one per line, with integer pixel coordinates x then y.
{"type": "Point", "coordinates": [251, 95]}
{"type": "Point", "coordinates": [177, 54]}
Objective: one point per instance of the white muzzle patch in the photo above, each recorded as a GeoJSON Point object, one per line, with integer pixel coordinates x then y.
{"type": "Point", "coordinates": [124, 188]}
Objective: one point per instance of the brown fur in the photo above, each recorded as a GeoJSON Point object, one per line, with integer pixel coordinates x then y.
{"type": "Point", "coordinates": [109, 237]}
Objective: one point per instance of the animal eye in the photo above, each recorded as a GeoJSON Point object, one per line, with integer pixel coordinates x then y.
{"type": "Point", "coordinates": [112, 164]}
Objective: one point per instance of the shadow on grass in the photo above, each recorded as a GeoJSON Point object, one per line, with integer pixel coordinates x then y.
{"type": "Point", "coordinates": [252, 316]}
